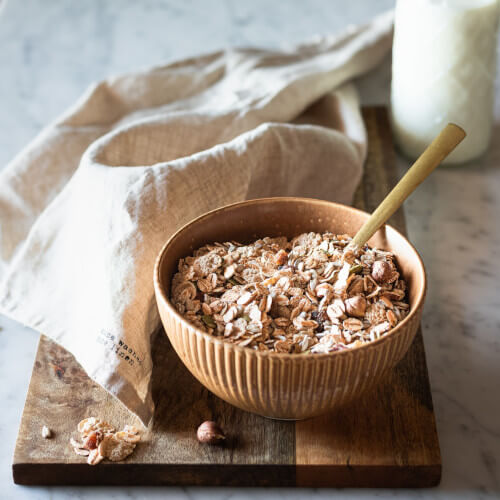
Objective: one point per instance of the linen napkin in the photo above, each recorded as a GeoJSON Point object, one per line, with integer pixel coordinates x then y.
{"type": "Point", "coordinates": [86, 207]}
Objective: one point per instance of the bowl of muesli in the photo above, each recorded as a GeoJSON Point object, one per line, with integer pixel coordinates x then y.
{"type": "Point", "coordinates": [271, 309]}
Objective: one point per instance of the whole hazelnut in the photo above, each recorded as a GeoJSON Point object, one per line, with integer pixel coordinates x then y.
{"type": "Point", "coordinates": [381, 271]}
{"type": "Point", "coordinates": [209, 432]}
{"type": "Point", "coordinates": [355, 306]}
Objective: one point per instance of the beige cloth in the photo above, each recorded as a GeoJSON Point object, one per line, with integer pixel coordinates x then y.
{"type": "Point", "coordinates": [86, 207]}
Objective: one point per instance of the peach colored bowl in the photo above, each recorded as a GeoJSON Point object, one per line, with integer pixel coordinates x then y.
{"type": "Point", "coordinates": [278, 385]}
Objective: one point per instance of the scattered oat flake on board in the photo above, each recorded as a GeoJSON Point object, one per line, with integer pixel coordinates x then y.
{"type": "Point", "coordinates": [93, 424]}
{"type": "Point", "coordinates": [115, 449]}
{"type": "Point", "coordinates": [94, 457]}
{"type": "Point", "coordinates": [81, 451]}
{"type": "Point", "coordinates": [126, 436]}
{"type": "Point", "coordinates": [131, 429]}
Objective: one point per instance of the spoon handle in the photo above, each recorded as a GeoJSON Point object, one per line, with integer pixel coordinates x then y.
{"type": "Point", "coordinates": [440, 147]}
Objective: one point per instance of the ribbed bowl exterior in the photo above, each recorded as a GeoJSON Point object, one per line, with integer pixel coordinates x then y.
{"type": "Point", "coordinates": [291, 387]}
{"type": "Point", "coordinates": [284, 386]}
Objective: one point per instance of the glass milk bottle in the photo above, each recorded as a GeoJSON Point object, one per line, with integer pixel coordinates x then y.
{"type": "Point", "coordinates": [443, 70]}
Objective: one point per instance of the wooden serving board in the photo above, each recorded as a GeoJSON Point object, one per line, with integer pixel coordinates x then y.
{"type": "Point", "coordinates": [386, 439]}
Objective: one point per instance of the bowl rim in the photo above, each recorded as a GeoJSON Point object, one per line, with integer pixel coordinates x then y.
{"type": "Point", "coordinates": [161, 295]}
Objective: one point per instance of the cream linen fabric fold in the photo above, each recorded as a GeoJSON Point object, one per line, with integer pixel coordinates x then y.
{"type": "Point", "coordinates": [86, 207]}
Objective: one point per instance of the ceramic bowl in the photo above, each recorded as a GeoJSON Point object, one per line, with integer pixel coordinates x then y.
{"type": "Point", "coordinates": [277, 385]}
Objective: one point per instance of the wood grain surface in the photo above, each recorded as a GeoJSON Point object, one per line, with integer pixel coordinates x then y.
{"type": "Point", "coordinates": [386, 439]}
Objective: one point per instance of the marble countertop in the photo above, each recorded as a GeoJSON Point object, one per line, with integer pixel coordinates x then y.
{"type": "Point", "coordinates": [51, 51]}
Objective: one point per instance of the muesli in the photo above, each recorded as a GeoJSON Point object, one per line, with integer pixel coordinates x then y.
{"type": "Point", "coordinates": [100, 440]}
{"type": "Point", "coordinates": [313, 294]}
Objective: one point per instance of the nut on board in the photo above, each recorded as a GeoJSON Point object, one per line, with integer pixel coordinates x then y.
{"type": "Point", "coordinates": [209, 432]}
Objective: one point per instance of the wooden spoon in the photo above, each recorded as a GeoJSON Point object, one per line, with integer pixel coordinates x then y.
{"type": "Point", "coordinates": [440, 148]}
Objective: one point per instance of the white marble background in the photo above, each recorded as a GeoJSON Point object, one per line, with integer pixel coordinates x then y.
{"type": "Point", "coordinates": [49, 53]}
